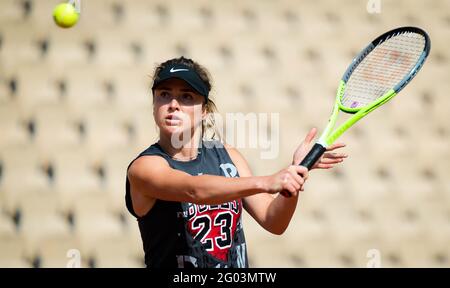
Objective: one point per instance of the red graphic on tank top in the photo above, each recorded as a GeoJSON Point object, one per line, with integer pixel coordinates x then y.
{"type": "Point", "coordinates": [214, 226]}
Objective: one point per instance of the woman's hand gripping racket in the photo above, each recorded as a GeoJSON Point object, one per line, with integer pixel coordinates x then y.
{"type": "Point", "coordinates": [376, 74]}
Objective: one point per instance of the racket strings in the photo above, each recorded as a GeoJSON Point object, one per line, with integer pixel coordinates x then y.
{"type": "Point", "coordinates": [383, 68]}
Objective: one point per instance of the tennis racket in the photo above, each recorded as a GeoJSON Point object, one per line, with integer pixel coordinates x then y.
{"type": "Point", "coordinates": [377, 74]}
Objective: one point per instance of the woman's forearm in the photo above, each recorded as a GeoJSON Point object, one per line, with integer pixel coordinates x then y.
{"type": "Point", "coordinates": [279, 214]}
{"type": "Point", "coordinates": [208, 189]}
{"type": "Point", "coordinates": [155, 179]}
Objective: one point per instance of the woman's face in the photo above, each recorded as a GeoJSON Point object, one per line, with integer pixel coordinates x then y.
{"type": "Point", "coordinates": [177, 107]}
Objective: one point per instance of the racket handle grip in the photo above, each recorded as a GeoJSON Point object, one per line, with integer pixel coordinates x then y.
{"type": "Point", "coordinates": [309, 160]}
{"type": "Point", "coordinates": [313, 155]}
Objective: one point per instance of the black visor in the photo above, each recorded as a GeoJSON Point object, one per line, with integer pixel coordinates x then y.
{"type": "Point", "coordinates": [185, 73]}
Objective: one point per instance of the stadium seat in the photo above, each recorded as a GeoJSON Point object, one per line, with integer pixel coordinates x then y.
{"type": "Point", "coordinates": [41, 218]}
{"type": "Point", "coordinates": [341, 213]}
{"type": "Point", "coordinates": [76, 108]}
{"type": "Point", "coordinates": [141, 15]}
{"type": "Point", "coordinates": [413, 184]}
{"type": "Point", "coordinates": [226, 89]}
{"type": "Point", "coordinates": [7, 227]}
{"type": "Point", "coordinates": [416, 255]}
{"type": "Point", "coordinates": [145, 131]}
{"type": "Point", "coordinates": [85, 90]}
{"type": "Point", "coordinates": [11, 11]}
{"type": "Point", "coordinates": [443, 182]}
{"type": "Point", "coordinates": [94, 220]}
{"type": "Point", "coordinates": [115, 166]}
{"type": "Point", "coordinates": [37, 85]}
{"type": "Point", "coordinates": [62, 252]}
{"type": "Point", "coordinates": [69, 47]}
{"type": "Point", "coordinates": [12, 125]}
{"type": "Point", "coordinates": [314, 254]}
{"type": "Point", "coordinates": [132, 231]}
{"type": "Point", "coordinates": [104, 132]}
{"type": "Point", "coordinates": [20, 45]}
{"type": "Point", "coordinates": [216, 54]}
{"type": "Point", "coordinates": [12, 251]}
{"type": "Point", "coordinates": [16, 162]}
{"type": "Point", "coordinates": [115, 253]}
{"type": "Point", "coordinates": [69, 163]}
{"type": "Point", "coordinates": [54, 128]}
{"type": "Point", "coordinates": [130, 90]}
{"type": "Point", "coordinates": [187, 15]}
{"type": "Point", "coordinates": [112, 51]}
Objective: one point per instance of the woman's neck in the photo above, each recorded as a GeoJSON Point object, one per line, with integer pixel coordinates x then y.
{"type": "Point", "coordinates": [188, 150]}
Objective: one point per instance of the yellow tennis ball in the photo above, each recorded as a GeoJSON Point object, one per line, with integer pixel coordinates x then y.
{"type": "Point", "coordinates": [65, 15]}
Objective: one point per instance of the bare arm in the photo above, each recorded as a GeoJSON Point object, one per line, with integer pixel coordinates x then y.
{"type": "Point", "coordinates": [272, 213]}
{"type": "Point", "coordinates": [153, 178]}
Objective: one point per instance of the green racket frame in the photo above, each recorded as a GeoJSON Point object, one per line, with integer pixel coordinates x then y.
{"type": "Point", "coordinates": [329, 136]}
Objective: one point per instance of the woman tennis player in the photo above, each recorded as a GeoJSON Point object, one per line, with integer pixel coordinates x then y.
{"type": "Point", "coordinates": [188, 194]}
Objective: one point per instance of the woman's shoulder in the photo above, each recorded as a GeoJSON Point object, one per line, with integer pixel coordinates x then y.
{"type": "Point", "coordinates": [146, 164]}
{"type": "Point", "coordinates": [153, 149]}
{"type": "Point", "coordinates": [238, 159]}
{"type": "Point", "coordinates": [234, 153]}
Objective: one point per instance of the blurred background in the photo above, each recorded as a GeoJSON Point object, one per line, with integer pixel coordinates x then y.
{"type": "Point", "coordinates": [75, 109]}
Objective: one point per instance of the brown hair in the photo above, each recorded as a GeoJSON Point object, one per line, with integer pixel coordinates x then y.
{"type": "Point", "coordinates": [209, 129]}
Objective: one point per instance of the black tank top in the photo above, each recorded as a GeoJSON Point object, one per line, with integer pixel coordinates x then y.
{"type": "Point", "coordinates": [178, 234]}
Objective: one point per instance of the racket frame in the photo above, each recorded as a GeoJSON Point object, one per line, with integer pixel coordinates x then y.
{"type": "Point", "coordinates": [328, 136]}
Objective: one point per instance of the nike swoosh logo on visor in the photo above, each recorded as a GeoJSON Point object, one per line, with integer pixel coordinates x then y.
{"type": "Point", "coordinates": [177, 70]}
